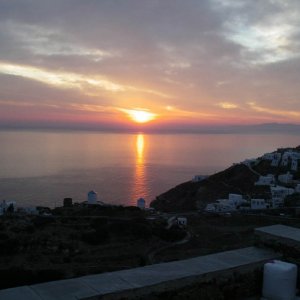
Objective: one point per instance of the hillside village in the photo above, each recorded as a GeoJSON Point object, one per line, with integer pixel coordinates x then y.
{"type": "Point", "coordinates": [281, 182]}
{"type": "Point", "coordinates": [266, 182]}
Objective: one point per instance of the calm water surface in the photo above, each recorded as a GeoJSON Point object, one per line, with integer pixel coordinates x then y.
{"type": "Point", "coordinates": [44, 167]}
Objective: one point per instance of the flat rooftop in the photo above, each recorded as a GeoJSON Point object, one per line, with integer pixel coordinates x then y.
{"type": "Point", "coordinates": [158, 277]}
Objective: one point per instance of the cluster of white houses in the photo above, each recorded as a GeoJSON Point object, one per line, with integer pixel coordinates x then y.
{"type": "Point", "coordinates": [286, 158]}
{"type": "Point", "coordinates": [233, 203]}
{"type": "Point", "coordinates": [237, 202]}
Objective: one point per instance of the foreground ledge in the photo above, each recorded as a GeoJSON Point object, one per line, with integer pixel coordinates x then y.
{"type": "Point", "coordinates": [280, 238]}
{"type": "Point", "coordinates": [145, 280]}
{"type": "Point", "coordinates": [279, 232]}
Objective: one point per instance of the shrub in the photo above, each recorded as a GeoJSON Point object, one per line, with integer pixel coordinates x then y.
{"type": "Point", "coordinates": [41, 222]}
{"type": "Point", "coordinates": [9, 246]}
{"type": "Point", "coordinates": [94, 237]}
{"type": "Point", "coordinates": [99, 223]}
{"type": "Point", "coordinates": [170, 235]}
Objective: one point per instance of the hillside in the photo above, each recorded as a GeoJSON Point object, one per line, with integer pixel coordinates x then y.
{"type": "Point", "coordinates": [239, 178]}
{"type": "Point", "coordinates": [195, 195]}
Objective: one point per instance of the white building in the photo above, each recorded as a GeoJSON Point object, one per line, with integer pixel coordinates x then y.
{"type": "Point", "coordinates": [220, 206]}
{"type": "Point", "coordinates": [268, 156]}
{"type": "Point", "coordinates": [4, 206]}
{"type": "Point", "coordinates": [273, 157]}
{"type": "Point", "coordinates": [182, 222]}
{"type": "Point", "coordinates": [235, 199]}
{"type": "Point", "coordinates": [279, 193]}
{"type": "Point", "coordinates": [276, 159]}
{"type": "Point", "coordinates": [275, 162]}
{"type": "Point", "coordinates": [259, 204]}
{"type": "Point", "coordinates": [266, 180]}
{"type": "Point", "coordinates": [286, 178]}
{"type": "Point", "coordinates": [141, 203]}
{"type": "Point", "coordinates": [233, 203]}
{"type": "Point", "coordinates": [250, 161]}
{"type": "Point", "coordinates": [92, 197]}
{"type": "Point", "coordinates": [198, 178]}
{"type": "Point", "coordinates": [294, 165]}
{"type": "Point", "coordinates": [288, 156]}
{"type": "Point", "coordinates": [210, 207]}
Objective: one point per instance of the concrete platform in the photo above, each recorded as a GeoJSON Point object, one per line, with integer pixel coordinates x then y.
{"type": "Point", "coordinates": [282, 238]}
{"type": "Point", "coordinates": [280, 232]}
{"type": "Point", "coordinates": [140, 281]}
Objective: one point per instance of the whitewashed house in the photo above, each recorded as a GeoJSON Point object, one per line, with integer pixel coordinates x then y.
{"type": "Point", "coordinates": [273, 157]}
{"type": "Point", "coordinates": [276, 159]}
{"type": "Point", "coordinates": [223, 205]}
{"type": "Point", "coordinates": [268, 156]}
{"type": "Point", "coordinates": [286, 178]}
{"type": "Point", "coordinates": [199, 178]}
{"type": "Point", "coordinates": [285, 158]}
{"type": "Point", "coordinates": [210, 207]}
{"type": "Point", "coordinates": [141, 203]}
{"type": "Point", "coordinates": [182, 222]}
{"type": "Point", "coordinates": [236, 199]}
{"type": "Point", "coordinates": [5, 205]}
{"type": "Point", "coordinates": [266, 180]}
{"type": "Point", "coordinates": [279, 193]}
{"type": "Point", "coordinates": [288, 156]}
{"type": "Point", "coordinates": [294, 165]}
{"type": "Point", "coordinates": [220, 206]}
{"type": "Point", "coordinates": [226, 205]}
{"type": "Point", "coordinates": [92, 197]}
{"type": "Point", "coordinates": [259, 204]}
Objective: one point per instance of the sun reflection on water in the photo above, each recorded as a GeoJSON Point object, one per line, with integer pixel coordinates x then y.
{"type": "Point", "coordinates": [140, 149]}
{"type": "Point", "coordinates": [140, 188]}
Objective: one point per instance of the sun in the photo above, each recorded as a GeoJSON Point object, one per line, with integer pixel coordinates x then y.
{"type": "Point", "coordinates": [140, 116]}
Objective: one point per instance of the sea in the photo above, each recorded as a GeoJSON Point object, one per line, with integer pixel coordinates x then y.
{"type": "Point", "coordinates": [44, 167]}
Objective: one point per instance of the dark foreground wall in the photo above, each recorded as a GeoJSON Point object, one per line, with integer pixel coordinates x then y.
{"type": "Point", "coordinates": [229, 274]}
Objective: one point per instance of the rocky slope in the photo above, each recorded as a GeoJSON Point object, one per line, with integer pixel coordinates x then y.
{"type": "Point", "coordinates": [195, 195]}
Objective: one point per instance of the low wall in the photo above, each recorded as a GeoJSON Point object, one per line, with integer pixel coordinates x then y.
{"type": "Point", "coordinates": [217, 274]}
{"type": "Point", "coordinates": [281, 239]}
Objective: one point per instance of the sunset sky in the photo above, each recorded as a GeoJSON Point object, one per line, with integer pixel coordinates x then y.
{"type": "Point", "coordinates": [156, 64]}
